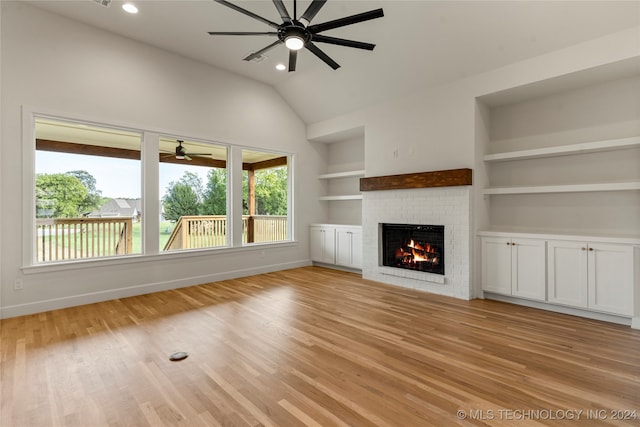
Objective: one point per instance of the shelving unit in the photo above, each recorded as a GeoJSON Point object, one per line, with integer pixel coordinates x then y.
{"type": "Point", "coordinates": [565, 162]}
{"type": "Point", "coordinates": [346, 174]}
{"type": "Point", "coordinates": [339, 175]}
{"type": "Point", "coordinates": [564, 150]}
{"type": "Point", "coordinates": [343, 197]}
{"type": "Point", "coordinates": [568, 188]}
{"type": "Point", "coordinates": [562, 170]}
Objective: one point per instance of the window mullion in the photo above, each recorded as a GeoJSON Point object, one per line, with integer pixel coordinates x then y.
{"type": "Point", "coordinates": [149, 155]}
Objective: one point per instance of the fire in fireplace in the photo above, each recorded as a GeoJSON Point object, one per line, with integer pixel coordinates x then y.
{"type": "Point", "coordinates": [413, 247]}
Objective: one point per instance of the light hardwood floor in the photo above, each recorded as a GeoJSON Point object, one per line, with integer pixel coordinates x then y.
{"type": "Point", "coordinates": [315, 347]}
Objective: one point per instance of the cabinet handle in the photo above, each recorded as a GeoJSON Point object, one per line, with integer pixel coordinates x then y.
{"type": "Point", "coordinates": [584, 249]}
{"type": "Point", "coordinates": [508, 243]}
{"type": "Point", "coordinates": [513, 244]}
{"type": "Point", "coordinates": [590, 249]}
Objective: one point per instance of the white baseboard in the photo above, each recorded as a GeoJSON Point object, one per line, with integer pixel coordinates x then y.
{"type": "Point", "coordinates": [90, 298]}
{"type": "Point", "coordinates": [635, 322]}
{"type": "Point", "coordinates": [565, 310]}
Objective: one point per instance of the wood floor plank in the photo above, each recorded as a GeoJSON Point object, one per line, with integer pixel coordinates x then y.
{"type": "Point", "coordinates": [314, 347]}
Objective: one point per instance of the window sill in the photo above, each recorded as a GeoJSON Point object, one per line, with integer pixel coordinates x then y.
{"type": "Point", "coordinates": [143, 258]}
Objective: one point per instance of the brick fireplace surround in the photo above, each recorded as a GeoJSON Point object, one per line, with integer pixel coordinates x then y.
{"type": "Point", "coordinates": [438, 205]}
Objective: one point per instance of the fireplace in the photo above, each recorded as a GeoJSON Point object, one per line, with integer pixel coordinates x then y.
{"type": "Point", "coordinates": [413, 247]}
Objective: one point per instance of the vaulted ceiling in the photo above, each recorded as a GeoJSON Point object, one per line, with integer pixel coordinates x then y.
{"type": "Point", "coordinates": [418, 43]}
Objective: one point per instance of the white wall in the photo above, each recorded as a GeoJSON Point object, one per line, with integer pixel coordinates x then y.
{"type": "Point", "coordinates": [50, 62]}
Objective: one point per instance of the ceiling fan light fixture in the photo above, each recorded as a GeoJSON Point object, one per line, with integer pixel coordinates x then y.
{"type": "Point", "coordinates": [294, 42]}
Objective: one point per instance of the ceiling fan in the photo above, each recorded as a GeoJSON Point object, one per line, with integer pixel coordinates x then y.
{"type": "Point", "coordinates": [296, 33]}
{"type": "Point", "coordinates": [181, 152]}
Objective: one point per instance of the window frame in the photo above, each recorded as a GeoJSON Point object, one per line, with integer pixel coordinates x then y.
{"type": "Point", "coordinates": [150, 195]}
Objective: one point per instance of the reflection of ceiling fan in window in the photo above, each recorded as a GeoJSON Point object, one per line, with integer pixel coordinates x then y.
{"type": "Point", "coordinates": [181, 152]}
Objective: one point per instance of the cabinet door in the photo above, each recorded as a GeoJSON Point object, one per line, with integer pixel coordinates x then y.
{"type": "Point", "coordinates": [496, 265]}
{"type": "Point", "coordinates": [356, 248]}
{"type": "Point", "coordinates": [610, 278]}
{"type": "Point", "coordinates": [317, 244]}
{"type": "Point", "coordinates": [567, 273]}
{"type": "Point", "coordinates": [343, 247]}
{"type": "Point", "coordinates": [528, 269]}
{"type": "Point", "coordinates": [349, 247]}
{"type": "Point", "coordinates": [322, 244]}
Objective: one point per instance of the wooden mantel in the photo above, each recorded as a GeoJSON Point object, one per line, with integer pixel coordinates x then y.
{"type": "Point", "coordinates": [445, 178]}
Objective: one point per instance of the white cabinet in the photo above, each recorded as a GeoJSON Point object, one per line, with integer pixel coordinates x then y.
{"type": "Point", "coordinates": [514, 267]}
{"type": "Point", "coordinates": [323, 244]}
{"type": "Point", "coordinates": [597, 276]}
{"type": "Point", "coordinates": [337, 244]}
{"type": "Point", "coordinates": [349, 247]}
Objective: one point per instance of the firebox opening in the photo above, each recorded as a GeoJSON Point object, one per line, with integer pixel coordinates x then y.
{"type": "Point", "coordinates": [413, 247]}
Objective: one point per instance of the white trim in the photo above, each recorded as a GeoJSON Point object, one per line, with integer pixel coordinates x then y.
{"type": "Point", "coordinates": [635, 322]}
{"type": "Point", "coordinates": [291, 160]}
{"type": "Point", "coordinates": [140, 258]}
{"type": "Point", "coordinates": [28, 216]}
{"type": "Point", "coordinates": [76, 300]}
{"type": "Point", "coordinates": [150, 192]}
{"type": "Point", "coordinates": [562, 309]}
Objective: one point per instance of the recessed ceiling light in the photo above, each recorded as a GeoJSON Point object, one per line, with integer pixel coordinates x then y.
{"type": "Point", "coordinates": [129, 8]}
{"type": "Point", "coordinates": [281, 67]}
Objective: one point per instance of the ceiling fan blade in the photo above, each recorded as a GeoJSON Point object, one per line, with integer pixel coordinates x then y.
{"type": "Point", "coordinates": [282, 10]}
{"type": "Point", "coordinates": [312, 11]}
{"type": "Point", "coordinates": [242, 33]}
{"type": "Point", "coordinates": [348, 20]}
{"type": "Point", "coordinates": [320, 54]}
{"type": "Point", "coordinates": [293, 58]}
{"type": "Point", "coordinates": [343, 42]}
{"type": "Point", "coordinates": [246, 12]}
{"type": "Point", "coordinates": [187, 157]}
{"type": "Point", "coordinates": [263, 50]}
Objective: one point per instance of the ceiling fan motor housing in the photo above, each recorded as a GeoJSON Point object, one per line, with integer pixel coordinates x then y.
{"type": "Point", "coordinates": [296, 29]}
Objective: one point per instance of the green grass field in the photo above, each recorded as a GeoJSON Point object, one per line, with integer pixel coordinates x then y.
{"type": "Point", "coordinates": [166, 227]}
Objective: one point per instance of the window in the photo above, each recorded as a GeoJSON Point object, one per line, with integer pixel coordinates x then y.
{"type": "Point", "coordinates": [88, 192]}
{"type": "Point", "coordinates": [265, 190]}
{"type": "Point", "coordinates": [90, 182]}
{"type": "Point", "coordinates": [193, 195]}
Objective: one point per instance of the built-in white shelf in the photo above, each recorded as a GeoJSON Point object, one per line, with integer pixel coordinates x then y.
{"type": "Point", "coordinates": [344, 197]}
{"type": "Point", "coordinates": [342, 174]}
{"type": "Point", "coordinates": [568, 188]}
{"type": "Point", "coordinates": [565, 150]}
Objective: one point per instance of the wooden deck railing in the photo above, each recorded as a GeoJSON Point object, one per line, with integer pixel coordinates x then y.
{"type": "Point", "coordinates": [264, 228]}
{"type": "Point", "coordinates": [205, 231]}
{"type": "Point", "coordinates": [74, 238]}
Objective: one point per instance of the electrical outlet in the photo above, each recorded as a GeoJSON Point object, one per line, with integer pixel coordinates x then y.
{"type": "Point", "coordinates": [17, 285]}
